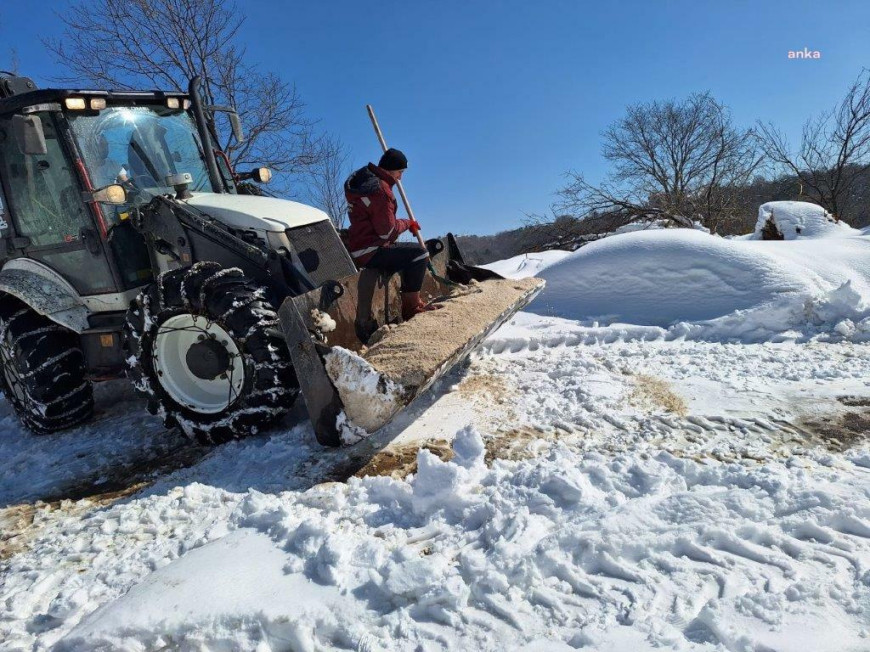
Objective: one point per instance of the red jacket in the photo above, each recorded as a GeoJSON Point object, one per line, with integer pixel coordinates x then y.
{"type": "Point", "coordinates": [372, 211]}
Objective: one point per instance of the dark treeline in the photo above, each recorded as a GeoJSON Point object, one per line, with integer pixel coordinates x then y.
{"type": "Point", "coordinates": [568, 232]}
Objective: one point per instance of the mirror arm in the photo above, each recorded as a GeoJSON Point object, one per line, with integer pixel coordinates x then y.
{"type": "Point", "coordinates": [204, 136]}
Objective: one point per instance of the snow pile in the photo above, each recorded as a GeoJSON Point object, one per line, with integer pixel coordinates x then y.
{"type": "Point", "coordinates": [654, 224]}
{"type": "Point", "coordinates": [798, 219]}
{"type": "Point", "coordinates": [571, 548]}
{"type": "Point", "coordinates": [717, 288]}
{"type": "Point", "coordinates": [526, 265]}
{"type": "Point", "coordinates": [370, 399]}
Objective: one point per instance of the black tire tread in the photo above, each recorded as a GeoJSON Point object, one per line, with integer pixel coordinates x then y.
{"type": "Point", "coordinates": [238, 305]}
{"type": "Point", "coordinates": [50, 364]}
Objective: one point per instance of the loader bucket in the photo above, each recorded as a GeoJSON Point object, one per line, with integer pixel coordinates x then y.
{"type": "Point", "coordinates": [358, 365]}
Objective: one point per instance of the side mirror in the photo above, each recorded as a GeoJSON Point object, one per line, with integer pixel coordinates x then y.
{"type": "Point", "coordinates": [237, 127]}
{"type": "Point", "coordinates": [29, 134]}
{"type": "Point", "coordinates": [114, 194]}
{"type": "Point", "coordinates": [235, 122]}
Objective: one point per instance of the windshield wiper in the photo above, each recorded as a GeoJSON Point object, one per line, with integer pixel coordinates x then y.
{"type": "Point", "coordinates": [149, 165]}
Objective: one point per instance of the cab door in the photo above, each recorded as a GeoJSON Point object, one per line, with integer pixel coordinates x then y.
{"type": "Point", "coordinates": [53, 224]}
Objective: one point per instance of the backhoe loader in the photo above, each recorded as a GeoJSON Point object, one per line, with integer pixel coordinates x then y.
{"type": "Point", "coordinates": [128, 247]}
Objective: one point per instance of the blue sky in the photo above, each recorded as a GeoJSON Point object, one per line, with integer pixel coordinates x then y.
{"type": "Point", "coordinates": [494, 101]}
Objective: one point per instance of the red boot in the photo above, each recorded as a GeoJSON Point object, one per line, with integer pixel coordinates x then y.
{"type": "Point", "coordinates": [412, 305]}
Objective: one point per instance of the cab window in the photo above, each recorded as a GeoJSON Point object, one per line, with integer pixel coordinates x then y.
{"type": "Point", "coordinates": [43, 189]}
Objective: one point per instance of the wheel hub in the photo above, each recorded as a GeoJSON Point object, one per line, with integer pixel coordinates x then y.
{"type": "Point", "coordinates": [208, 359]}
{"type": "Point", "coordinates": [198, 364]}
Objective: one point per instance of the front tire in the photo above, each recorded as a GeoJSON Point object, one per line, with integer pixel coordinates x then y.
{"type": "Point", "coordinates": [205, 349]}
{"type": "Point", "coordinates": [43, 370]}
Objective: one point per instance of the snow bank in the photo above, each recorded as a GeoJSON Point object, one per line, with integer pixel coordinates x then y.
{"type": "Point", "coordinates": [571, 548]}
{"type": "Point", "coordinates": [798, 219]}
{"type": "Point", "coordinates": [711, 286]}
{"type": "Point", "coordinates": [526, 265]}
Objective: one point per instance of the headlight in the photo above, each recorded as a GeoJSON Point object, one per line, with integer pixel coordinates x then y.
{"type": "Point", "coordinates": [98, 103]}
{"type": "Point", "coordinates": [173, 102]}
{"type": "Point", "coordinates": [114, 194]}
{"type": "Point", "coordinates": [261, 175]}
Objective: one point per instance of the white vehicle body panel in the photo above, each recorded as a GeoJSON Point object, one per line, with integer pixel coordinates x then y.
{"type": "Point", "coordinates": [258, 213]}
{"type": "Point", "coordinates": [50, 294]}
{"type": "Point", "coordinates": [46, 291]}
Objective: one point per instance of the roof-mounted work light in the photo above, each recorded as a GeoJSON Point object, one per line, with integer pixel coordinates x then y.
{"type": "Point", "coordinates": [75, 103]}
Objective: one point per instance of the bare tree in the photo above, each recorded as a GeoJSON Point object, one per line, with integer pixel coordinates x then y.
{"type": "Point", "coordinates": [834, 150]}
{"type": "Point", "coordinates": [128, 44]}
{"type": "Point", "coordinates": [544, 232]}
{"type": "Point", "coordinates": [566, 231]}
{"type": "Point", "coordinates": [326, 180]}
{"type": "Point", "coordinates": [676, 161]}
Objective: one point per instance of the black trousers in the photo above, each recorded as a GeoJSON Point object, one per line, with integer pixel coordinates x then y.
{"type": "Point", "coordinates": [408, 258]}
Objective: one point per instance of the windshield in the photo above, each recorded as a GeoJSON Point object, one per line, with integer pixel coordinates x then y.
{"type": "Point", "coordinates": [139, 146]}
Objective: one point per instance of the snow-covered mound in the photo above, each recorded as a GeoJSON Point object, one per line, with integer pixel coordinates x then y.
{"type": "Point", "coordinates": [799, 219]}
{"type": "Point", "coordinates": [665, 277]}
{"type": "Point", "coordinates": [526, 265]}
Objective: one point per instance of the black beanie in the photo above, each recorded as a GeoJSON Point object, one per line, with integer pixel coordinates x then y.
{"type": "Point", "coordinates": [393, 160]}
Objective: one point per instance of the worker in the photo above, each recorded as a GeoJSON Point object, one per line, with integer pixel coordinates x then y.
{"type": "Point", "coordinates": [374, 228]}
{"type": "Point", "coordinates": [105, 171]}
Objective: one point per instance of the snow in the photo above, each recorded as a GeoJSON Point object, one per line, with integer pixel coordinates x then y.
{"type": "Point", "coordinates": [545, 548]}
{"type": "Point", "coordinates": [653, 224]}
{"type": "Point", "coordinates": [369, 398]}
{"type": "Point", "coordinates": [671, 454]}
{"type": "Point", "coordinates": [526, 265]}
{"type": "Point", "coordinates": [665, 277]}
{"type": "Point", "coordinates": [798, 219]}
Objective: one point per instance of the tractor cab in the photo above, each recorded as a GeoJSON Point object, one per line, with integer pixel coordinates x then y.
{"type": "Point", "coordinates": [74, 164]}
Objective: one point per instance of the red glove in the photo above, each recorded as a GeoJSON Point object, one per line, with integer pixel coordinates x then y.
{"type": "Point", "coordinates": [414, 226]}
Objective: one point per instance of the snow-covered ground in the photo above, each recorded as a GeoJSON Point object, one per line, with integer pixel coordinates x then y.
{"type": "Point", "coordinates": [695, 481]}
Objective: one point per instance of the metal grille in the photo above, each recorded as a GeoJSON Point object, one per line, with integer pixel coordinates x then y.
{"type": "Point", "coordinates": [321, 251]}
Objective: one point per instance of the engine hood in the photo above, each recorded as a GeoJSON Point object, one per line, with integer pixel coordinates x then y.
{"type": "Point", "coordinates": [252, 212]}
